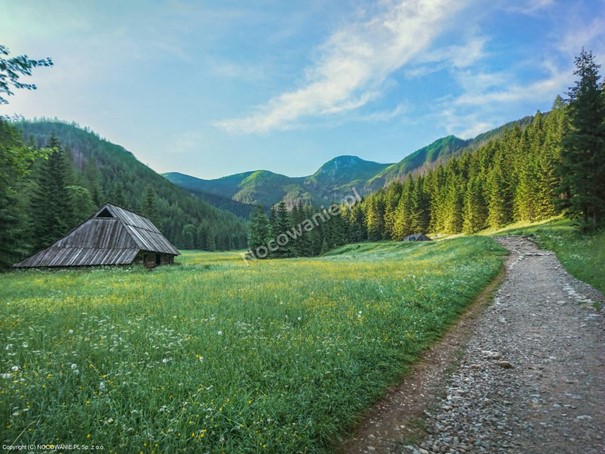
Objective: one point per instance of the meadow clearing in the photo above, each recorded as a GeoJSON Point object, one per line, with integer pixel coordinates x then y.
{"type": "Point", "coordinates": [215, 355]}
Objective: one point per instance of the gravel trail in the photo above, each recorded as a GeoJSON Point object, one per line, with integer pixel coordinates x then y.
{"type": "Point", "coordinates": [532, 376]}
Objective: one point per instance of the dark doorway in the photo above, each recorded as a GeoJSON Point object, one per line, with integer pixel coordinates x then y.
{"type": "Point", "coordinates": [158, 259]}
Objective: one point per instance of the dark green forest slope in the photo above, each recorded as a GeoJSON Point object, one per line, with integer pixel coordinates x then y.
{"type": "Point", "coordinates": [110, 173]}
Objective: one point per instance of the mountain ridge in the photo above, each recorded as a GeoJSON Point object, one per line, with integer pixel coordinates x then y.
{"type": "Point", "coordinates": [335, 178]}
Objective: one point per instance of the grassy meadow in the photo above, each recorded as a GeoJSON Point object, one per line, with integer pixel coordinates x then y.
{"type": "Point", "coordinates": [218, 355]}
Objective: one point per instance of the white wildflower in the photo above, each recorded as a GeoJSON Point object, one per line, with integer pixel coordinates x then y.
{"type": "Point", "coordinates": [220, 333]}
{"type": "Point", "coordinates": [102, 386]}
{"type": "Point", "coordinates": [25, 345]}
{"type": "Point", "coordinates": [6, 376]}
{"type": "Point", "coordinates": [71, 331]}
{"type": "Point", "coordinates": [15, 368]}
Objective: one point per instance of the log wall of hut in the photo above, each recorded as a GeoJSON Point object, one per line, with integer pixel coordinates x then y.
{"type": "Point", "coordinates": [153, 259]}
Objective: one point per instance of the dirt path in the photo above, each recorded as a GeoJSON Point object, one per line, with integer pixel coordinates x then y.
{"type": "Point", "coordinates": [529, 376]}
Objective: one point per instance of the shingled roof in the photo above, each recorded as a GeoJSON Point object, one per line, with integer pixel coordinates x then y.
{"type": "Point", "coordinates": [112, 236]}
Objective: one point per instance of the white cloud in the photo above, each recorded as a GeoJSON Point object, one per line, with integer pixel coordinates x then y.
{"type": "Point", "coordinates": [450, 57]}
{"type": "Point", "coordinates": [465, 126]}
{"type": "Point", "coordinates": [528, 7]}
{"type": "Point", "coordinates": [486, 96]}
{"type": "Point", "coordinates": [581, 35]}
{"type": "Point", "coordinates": [385, 115]}
{"type": "Point", "coordinates": [539, 90]}
{"type": "Point", "coordinates": [353, 65]}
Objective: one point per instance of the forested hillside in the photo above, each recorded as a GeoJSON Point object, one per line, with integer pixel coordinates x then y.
{"type": "Point", "coordinates": [333, 180]}
{"type": "Point", "coordinates": [511, 177]}
{"type": "Point", "coordinates": [69, 185]}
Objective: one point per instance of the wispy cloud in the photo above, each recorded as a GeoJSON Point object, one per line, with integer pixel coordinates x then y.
{"type": "Point", "coordinates": [353, 65]}
{"type": "Point", "coordinates": [528, 7]}
{"type": "Point", "coordinates": [486, 95]}
{"type": "Point", "coordinates": [580, 35]}
{"type": "Point", "coordinates": [486, 88]}
{"type": "Point", "coordinates": [385, 115]}
{"type": "Point", "coordinates": [467, 125]}
{"type": "Point", "coordinates": [458, 56]}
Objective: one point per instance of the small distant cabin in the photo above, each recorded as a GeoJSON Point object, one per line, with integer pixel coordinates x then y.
{"type": "Point", "coordinates": [112, 236]}
{"type": "Point", "coordinates": [417, 237]}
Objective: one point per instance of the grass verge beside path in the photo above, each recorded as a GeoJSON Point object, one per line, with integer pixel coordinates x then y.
{"type": "Point", "coordinates": [214, 355]}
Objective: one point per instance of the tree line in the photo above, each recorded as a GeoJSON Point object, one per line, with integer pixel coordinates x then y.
{"type": "Point", "coordinates": [302, 231]}
{"type": "Point", "coordinates": [533, 171]}
{"type": "Point", "coordinates": [511, 178]}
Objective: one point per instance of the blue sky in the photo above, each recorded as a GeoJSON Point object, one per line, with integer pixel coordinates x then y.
{"type": "Point", "coordinates": [211, 88]}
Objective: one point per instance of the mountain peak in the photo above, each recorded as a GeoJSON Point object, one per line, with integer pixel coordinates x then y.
{"type": "Point", "coordinates": [348, 163]}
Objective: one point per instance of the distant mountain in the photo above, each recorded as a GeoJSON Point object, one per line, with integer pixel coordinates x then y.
{"type": "Point", "coordinates": [333, 180]}
{"type": "Point", "coordinates": [422, 159]}
{"type": "Point", "coordinates": [113, 174]}
{"type": "Point", "coordinates": [337, 177]}
{"type": "Point", "coordinates": [248, 188]}
{"type": "Point", "coordinates": [243, 210]}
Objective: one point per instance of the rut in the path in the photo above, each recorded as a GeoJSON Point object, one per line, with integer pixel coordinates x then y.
{"type": "Point", "coordinates": [532, 378]}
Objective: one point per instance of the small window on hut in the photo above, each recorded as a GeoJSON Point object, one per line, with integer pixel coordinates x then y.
{"type": "Point", "coordinates": [105, 214]}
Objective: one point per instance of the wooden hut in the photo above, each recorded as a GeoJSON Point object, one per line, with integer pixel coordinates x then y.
{"type": "Point", "coordinates": [112, 236]}
{"type": "Point", "coordinates": [417, 237]}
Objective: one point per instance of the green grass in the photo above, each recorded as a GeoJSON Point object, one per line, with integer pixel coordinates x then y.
{"type": "Point", "coordinates": [215, 355]}
{"type": "Point", "coordinates": [583, 255]}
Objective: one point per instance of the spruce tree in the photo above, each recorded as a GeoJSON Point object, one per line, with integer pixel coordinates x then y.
{"type": "Point", "coordinates": [453, 203]}
{"type": "Point", "coordinates": [259, 230]}
{"type": "Point", "coordinates": [548, 180]}
{"type": "Point", "coordinates": [357, 231]}
{"type": "Point", "coordinates": [148, 204]}
{"type": "Point", "coordinates": [475, 208]}
{"type": "Point", "coordinates": [94, 183]}
{"type": "Point", "coordinates": [188, 236]}
{"type": "Point", "coordinates": [393, 194]}
{"type": "Point", "coordinates": [52, 211]}
{"type": "Point", "coordinates": [280, 234]}
{"type": "Point", "coordinates": [302, 245]}
{"type": "Point", "coordinates": [420, 216]}
{"type": "Point", "coordinates": [16, 161]}
{"type": "Point", "coordinates": [498, 196]}
{"type": "Point", "coordinates": [403, 213]}
{"type": "Point", "coordinates": [582, 166]}
{"type": "Point", "coordinates": [374, 218]}
{"type": "Point", "coordinates": [81, 203]}
{"type": "Point", "coordinates": [116, 195]}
